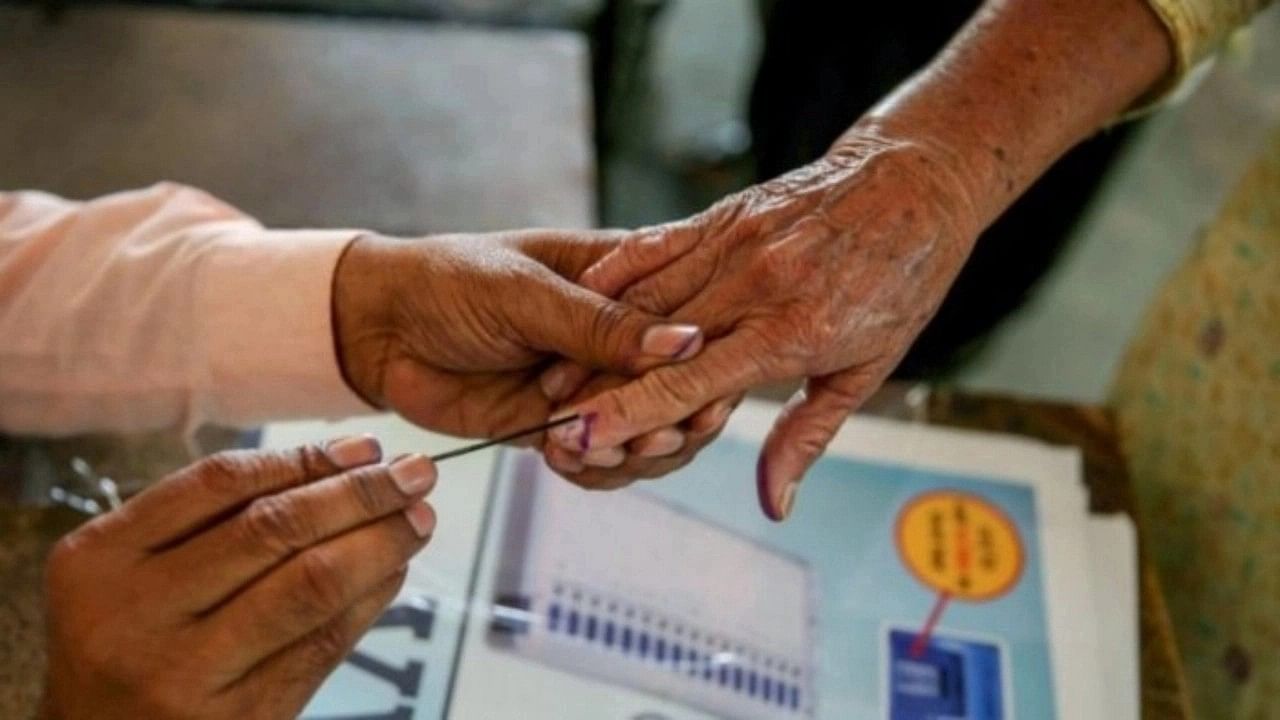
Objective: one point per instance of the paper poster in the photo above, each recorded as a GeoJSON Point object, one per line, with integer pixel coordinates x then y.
{"type": "Point", "coordinates": [910, 583]}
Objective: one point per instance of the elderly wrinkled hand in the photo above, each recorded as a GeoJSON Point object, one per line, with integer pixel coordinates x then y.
{"type": "Point", "coordinates": [233, 587]}
{"type": "Point", "coordinates": [827, 273]}
{"type": "Point", "coordinates": [452, 331]}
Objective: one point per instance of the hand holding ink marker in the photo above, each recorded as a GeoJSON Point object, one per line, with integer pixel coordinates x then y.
{"type": "Point", "coordinates": [468, 449]}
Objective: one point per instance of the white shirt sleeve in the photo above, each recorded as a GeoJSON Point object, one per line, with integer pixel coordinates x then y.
{"type": "Point", "coordinates": [162, 308]}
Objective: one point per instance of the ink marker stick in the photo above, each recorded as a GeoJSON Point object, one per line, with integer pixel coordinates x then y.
{"type": "Point", "coordinates": [503, 439]}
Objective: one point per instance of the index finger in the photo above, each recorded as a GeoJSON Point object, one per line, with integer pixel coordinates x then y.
{"type": "Point", "coordinates": [668, 394]}
{"type": "Point", "coordinates": [217, 563]}
{"type": "Point", "coordinates": [636, 257]}
{"type": "Point", "coordinates": [200, 494]}
{"type": "Point", "coordinates": [568, 253]}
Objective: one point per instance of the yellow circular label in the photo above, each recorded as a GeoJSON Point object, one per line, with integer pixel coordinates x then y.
{"type": "Point", "coordinates": [960, 544]}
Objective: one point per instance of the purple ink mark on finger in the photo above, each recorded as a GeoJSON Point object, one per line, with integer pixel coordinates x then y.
{"type": "Point", "coordinates": [689, 347]}
{"type": "Point", "coordinates": [762, 489]}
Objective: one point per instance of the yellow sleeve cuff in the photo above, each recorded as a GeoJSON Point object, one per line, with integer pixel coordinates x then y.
{"type": "Point", "coordinates": [1197, 28]}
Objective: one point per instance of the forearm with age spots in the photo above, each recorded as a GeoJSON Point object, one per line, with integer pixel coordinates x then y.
{"type": "Point", "coordinates": [1020, 85]}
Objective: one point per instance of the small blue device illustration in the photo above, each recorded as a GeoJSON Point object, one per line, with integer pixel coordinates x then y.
{"type": "Point", "coordinates": [948, 678]}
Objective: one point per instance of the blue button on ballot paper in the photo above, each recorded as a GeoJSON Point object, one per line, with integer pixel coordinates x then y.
{"type": "Point", "coordinates": [945, 679]}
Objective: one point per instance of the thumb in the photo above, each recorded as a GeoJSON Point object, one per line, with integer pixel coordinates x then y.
{"type": "Point", "coordinates": [602, 333]}
{"type": "Point", "coordinates": [801, 433]}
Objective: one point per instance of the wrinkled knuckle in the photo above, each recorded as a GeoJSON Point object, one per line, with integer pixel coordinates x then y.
{"type": "Point", "coordinates": [312, 462]}
{"type": "Point", "coordinates": [327, 646]}
{"type": "Point", "coordinates": [595, 278]}
{"type": "Point", "coordinates": [678, 389]}
{"type": "Point", "coordinates": [647, 296]}
{"type": "Point", "coordinates": [276, 523]}
{"type": "Point", "coordinates": [725, 212]}
{"type": "Point", "coordinates": [392, 586]}
{"type": "Point", "coordinates": [225, 473]}
{"type": "Point", "coordinates": [231, 472]}
{"type": "Point", "coordinates": [772, 354]}
{"type": "Point", "coordinates": [813, 443]}
{"type": "Point", "coordinates": [604, 326]}
{"type": "Point", "coordinates": [321, 590]}
{"type": "Point", "coordinates": [613, 405]}
{"type": "Point", "coordinates": [843, 398]}
{"type": "Point", "coordinates": [637, 252]}
{"type": "Point", "coordinates": [773, 272]}
{"type": "Point", "coordinates": [369, 492]}
{"type": "Point", "coordinates": [820, 334]}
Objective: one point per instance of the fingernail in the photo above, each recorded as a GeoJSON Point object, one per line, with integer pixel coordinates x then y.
{"type": "Point", "coordinates": [786, 499]}
{"type": "Point", "coordinates": [421, 518]}
{"type": "Point", "coordinates": [662, 443]}
{"type": "Point", "coordinates": [677, 342]}
{"type": "Point", "coordinates": [720, 413]}
{"type": "Point", "coordinates": [414, 474]}
{"type": "Point", "coordinates": [576, 435]}
{"type": "Point", "coordinates": [714, 418]}
{"type": "Point", "coordinates": [349, 452]}
{"type": "Point", "coordinates": [609, 457]}
{"type": "Point", "coordinates": [552, 382]}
